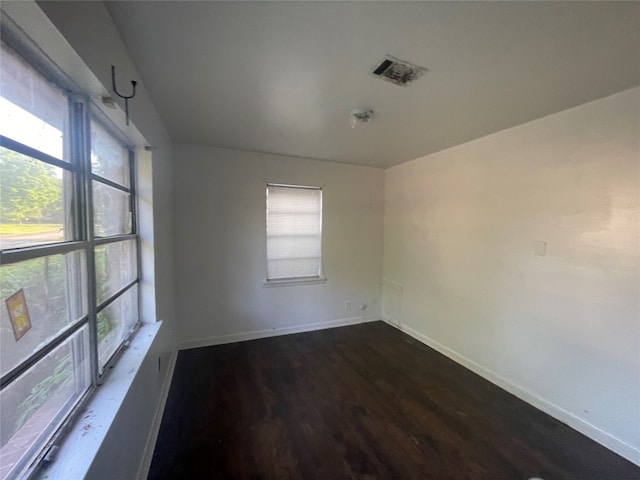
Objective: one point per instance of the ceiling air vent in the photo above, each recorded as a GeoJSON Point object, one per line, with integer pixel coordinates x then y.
{"type": "Point", "coordinates": [398, 71]}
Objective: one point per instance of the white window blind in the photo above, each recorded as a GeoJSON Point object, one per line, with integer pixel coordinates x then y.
{"type": "Point", "coordinates": [294, 232]}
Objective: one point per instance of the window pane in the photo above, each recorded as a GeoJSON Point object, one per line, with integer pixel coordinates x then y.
{"type": "Point", "coordinates": [115, 323]}
{"type": "Point", "coordinates": [294, 232]}
{"type": "Point", "coordinates": [109, 158]}
{"type": "Point", "coordinates": [35, 204]}
{"type": "Point", "coordinates": [111, 211]}
{"type": "Point", "coordinates": [115, 267]}
{"type": "Point", "coordinates": [53, 292]}
{"type": "Point", "coordinates": [294, 268]}
{"type": "Point", "coordinates": [32, 110]}
{"type": "Point", "coordinates": [35, 404]}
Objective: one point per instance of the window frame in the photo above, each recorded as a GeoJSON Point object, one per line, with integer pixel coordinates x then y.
{"type": "Point", "coordinates": [96, 241]}
{"type": "Point", "coordinates": [300, 280]}
{"type": "Point", "coordinates": [81, 238]}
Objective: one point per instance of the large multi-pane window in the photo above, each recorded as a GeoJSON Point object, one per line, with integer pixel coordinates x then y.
{"type": "Point", "coordinates": [68, 258]}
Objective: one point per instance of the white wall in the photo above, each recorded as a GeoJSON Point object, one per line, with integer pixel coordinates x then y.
{"type": "Point", "coordinates": [560, 330]}
{"type": "Point", "coordinates": [220, 241]}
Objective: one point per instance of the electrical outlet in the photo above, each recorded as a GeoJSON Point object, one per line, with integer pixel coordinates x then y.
{"type": "Point", "coordinates": [363, 307]}
{"type": "Point", "coordinates": [347, 305]}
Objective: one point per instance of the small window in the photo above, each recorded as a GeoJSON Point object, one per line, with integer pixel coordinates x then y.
{"type": "Point", "coordinates": [294, 233]}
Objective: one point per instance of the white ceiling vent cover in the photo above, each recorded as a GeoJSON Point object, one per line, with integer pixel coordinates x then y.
{"type": "Point", "coordinates": [398, 71]}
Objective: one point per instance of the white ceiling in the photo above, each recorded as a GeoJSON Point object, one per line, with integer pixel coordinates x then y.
{"type": "Point", "coordinates": [282, 77]}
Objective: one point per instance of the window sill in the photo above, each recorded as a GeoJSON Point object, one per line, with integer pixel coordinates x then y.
{"type": "Point", "coordinates": [288, 282]}
{"type": "Point", "coordinates": [81, 444]}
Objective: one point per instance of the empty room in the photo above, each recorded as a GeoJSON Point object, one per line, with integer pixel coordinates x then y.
{"type": "Point", "coordinates": [320, 240]}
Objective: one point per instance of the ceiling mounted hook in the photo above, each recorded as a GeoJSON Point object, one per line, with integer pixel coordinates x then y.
{"type": "Point", "coordinates": [126, 97]}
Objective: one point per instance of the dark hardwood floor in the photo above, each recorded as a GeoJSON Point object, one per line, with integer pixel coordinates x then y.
{"type": "Point", "coordinates": [359, 402]}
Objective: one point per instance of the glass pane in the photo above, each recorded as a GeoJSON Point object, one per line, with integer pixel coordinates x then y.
{"type": "Point", "coordinates": [53, 297]}
{"type": "Point", "coordinates": [34, 405]}
{"type": "Point", "coordinates": [109, 158]}
{"type": "Point", "coordinates": [111, 212]}
{"type": "Point", "coordinates": [293, 268]}
{"type": "Point", "coordinates": [116, 266]}
{"type": "Point", "coordinates": [35, 201]}
{"type": "Point", "coordinates": [32, 110]}
{"type": "Point", "coordinates": [115, 323]}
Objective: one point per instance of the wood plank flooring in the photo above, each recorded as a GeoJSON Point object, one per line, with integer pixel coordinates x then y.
{"type": "Point", "coordinates": [358, 402]}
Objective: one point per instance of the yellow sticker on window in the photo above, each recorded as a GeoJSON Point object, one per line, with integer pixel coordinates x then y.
{"type": "Point", "coordinates": [19, 314]}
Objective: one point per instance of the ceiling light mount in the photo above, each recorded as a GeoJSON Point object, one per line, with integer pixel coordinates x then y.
{"type": "Point", "coordinates": [361, 115]}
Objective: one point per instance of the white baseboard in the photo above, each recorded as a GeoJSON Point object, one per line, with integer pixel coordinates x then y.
{"type": "Point", "coordinates": [147, 456]}
{"type": "Point", "coordinates": [274, 332]}
{"type": "Point", "coordinates": [609, 441]}
{"type": "Point", "coordinates": [393, 322]}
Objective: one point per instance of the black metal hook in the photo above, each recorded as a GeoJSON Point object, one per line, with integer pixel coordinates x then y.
{"type": "Point", "coordinates": [126, 97]}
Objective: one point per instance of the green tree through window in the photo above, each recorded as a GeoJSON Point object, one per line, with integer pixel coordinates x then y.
{"type": "Point", "coordinates": [30, 190]}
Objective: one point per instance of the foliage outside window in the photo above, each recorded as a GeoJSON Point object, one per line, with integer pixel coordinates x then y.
{"type": "Point", "coordinates": [69, 258]}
